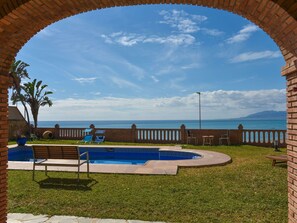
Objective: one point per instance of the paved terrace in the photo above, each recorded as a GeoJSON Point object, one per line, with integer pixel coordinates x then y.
{"type": "Point", "coordinates": [29, 218]}
{"type": "Point", "coordinates": [153, 167]}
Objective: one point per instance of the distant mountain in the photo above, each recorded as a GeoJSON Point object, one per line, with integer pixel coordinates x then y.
{"type": "Point", "coordinates": [268, 115]}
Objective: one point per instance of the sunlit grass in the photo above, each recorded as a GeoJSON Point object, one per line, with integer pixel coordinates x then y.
{"type": "Point", "coordinates": [247, 190]}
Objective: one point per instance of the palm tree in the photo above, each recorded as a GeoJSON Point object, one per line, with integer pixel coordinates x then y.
{"type": "Point", "coordinates": [36, 97]}
{"type": "Point", "coordinates": [17, 73]}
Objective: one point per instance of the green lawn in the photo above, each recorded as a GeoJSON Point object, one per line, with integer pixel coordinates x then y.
{"type": "Point", "coordinates": [247, 190]}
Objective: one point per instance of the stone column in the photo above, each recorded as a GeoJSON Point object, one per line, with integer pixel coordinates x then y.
{"type": "Point", "coordinates": [291, 76]}
{"type": "Point", "coordinates": [57, 131]}
{"type": "Point", "coordinates": [3, 146]}
{"type": "Point", "coordinates": [240, 132]}
{"type": "Point", "coordinates": [134, 133]}
{"type": "Point", "coordinates": [183, 134]}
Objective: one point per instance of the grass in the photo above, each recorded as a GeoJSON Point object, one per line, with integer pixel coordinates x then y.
{"type": "Point", "coordinates": [247, 190]}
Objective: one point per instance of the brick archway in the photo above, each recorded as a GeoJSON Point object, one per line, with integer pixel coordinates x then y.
{"type": "Point", "coordinates": [22, 19]}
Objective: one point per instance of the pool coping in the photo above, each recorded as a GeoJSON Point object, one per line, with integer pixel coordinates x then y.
{"type": "Point", "coordinates": [152, 167]}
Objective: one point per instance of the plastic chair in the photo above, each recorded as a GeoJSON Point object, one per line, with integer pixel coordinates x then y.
{"type": "Point", "coordinates": [190, 138]}
{"type": "Point", "coordinates": [225, 137]}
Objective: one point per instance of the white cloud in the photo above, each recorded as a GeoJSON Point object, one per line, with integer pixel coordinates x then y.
{"type": "Point", "coordinates": [131, 39]}
{"type": "Point", "coordinates": [181, 39]}
{"type": "Point", "coordinates": [85, 80]}
{"type": "Point", "coordinates": [190, 66]}
{"type": "Point", "coordinates": [212, 32]}
{"type": "Point", "coordinates": [250, 56]}
{"type": "Point", "coordinates": [135, 70]}
{"type": "Point", "coordinates": [121, 83]}
{"type": "Point", "coordinates": [47, 32]}
{"type": "Point", "coordinates": [243, 34]}
{"type": "Point", "coordinates": [183, 21]}
{"type": "Point", "coordinates": [156, 80]}
{"type": "Point", "coordinates": [215, 105]}
{"type": "Point", "coordinates": [166, 70]}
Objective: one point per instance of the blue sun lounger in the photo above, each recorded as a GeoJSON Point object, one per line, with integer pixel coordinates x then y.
{"type": "Point", "coordinates": [99, 136]}
{"type": "Point", "coordinates": [87, 139]}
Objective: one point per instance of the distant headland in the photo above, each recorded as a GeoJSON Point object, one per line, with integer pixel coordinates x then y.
{"type": "Point", "coordinates": [267, 115]}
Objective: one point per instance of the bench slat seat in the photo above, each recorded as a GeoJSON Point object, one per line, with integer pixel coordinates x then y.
{"type": "Point", "coordinates": [59, 156]}
{"type": "Point", "coordinates": [278, 159]}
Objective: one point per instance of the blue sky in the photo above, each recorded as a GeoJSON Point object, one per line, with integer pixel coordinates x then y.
{"type": "Point", "coordinates": [147, 62]}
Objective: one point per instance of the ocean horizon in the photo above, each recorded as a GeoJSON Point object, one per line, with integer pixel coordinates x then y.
{"type": "Point", "coordinates": [171, 124]}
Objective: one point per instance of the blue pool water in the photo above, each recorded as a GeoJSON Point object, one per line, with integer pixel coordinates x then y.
{"type": "Point", "coordinates": [134, 156]}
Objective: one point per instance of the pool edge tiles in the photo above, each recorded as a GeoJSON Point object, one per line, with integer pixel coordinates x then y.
{"type": "Point", "coordinates": [154, 167]}
{"type": "Point", "coordinates": [112, 155]}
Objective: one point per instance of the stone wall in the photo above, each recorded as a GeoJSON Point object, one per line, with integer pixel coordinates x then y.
{"type": "Point", "coordinates": [20, 20]}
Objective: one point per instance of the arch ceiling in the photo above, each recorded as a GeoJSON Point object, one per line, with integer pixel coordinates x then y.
{"type": "Point", "coordinates": [20, 20]}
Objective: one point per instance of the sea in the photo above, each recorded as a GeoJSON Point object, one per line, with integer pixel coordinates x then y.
{"type": "Point", "coordinates": [172, 124]}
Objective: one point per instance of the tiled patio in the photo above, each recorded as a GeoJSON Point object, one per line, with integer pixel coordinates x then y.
{"type": "Point", "coordinates": [29, 218]}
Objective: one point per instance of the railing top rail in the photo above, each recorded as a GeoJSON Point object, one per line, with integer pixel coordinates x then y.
{"type": "Point", "coordinates": [158, 129]}
{"type": "Point", "coordinates": [282, 130]}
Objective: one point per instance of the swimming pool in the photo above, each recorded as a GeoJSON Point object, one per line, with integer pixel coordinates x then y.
{"type": "Point", "coordinates": [111, 155]}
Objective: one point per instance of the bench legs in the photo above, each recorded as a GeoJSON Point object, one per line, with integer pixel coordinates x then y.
{"type": "Point", "coordinates": [88, 169]}
{"type": "Point", "coordinates": [78, 171]}
{"type": "Point", "coordinates": [274, 162]}
{"type": "Point", "coordinates": [33, 177]}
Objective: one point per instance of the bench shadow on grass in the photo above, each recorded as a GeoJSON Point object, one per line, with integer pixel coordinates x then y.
{"type": "Point", "coordinates": [67, 184]}
{"type": "Point", "coordinates": [282, 165]}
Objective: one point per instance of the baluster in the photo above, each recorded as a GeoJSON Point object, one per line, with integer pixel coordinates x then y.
{"type": "Point", "coordinates": [259, 139]}
{"type": "Point", "coordinates": [249, 136]}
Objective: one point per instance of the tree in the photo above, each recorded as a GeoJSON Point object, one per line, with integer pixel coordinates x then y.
{"type": "Point", "coordinates": [17, 73]}
{"type": "Point", "coordinates": [35, 96]}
